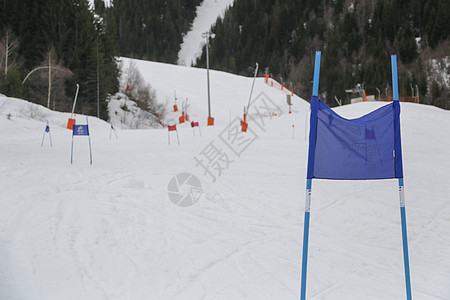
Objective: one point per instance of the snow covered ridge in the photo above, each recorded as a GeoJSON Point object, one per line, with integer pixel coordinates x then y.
{"type": "Point", "coordinates": [14, 108]}
{"type": "Point", "coordinates": [123, 113]}
{"type": "Point", "coordinates": [24, 120]}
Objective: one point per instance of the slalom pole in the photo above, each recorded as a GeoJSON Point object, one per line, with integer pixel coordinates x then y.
{"type": "Point", "coordinates": [306, 125]}
{"type": "Point", "coordinates": [71, 120]}
{"type": "Point", "coordinates": [71, 150]}
{"type": "Point", "coordinates": [316, 74]}
{"type": "Point", "coordinates": [251, 91]}
{"type": "Point", "coordinates": [49, 135]}
{"type": "Point", "coordinates": [175, 107]}
{"type": "Point", "coordinates": [89, 136]}
{"type": "Point", "coordinates": [186, 110]}
{"type": "Point", "coordinates": [306, 238]}
{"type": "Point", "coordinates": [244, 123]}
{"type": "Point", "coordinates": [394, 77]}
{"type": "Point", "coordinates": [308, 192]}
{"type": "Point", "coordinates": [401, 191]}
{"type": "Point", "coordinates": [75, 100]}
{"type": "Point", "coordinates": [42, 143]}
{"type": "Point", "coordinates": [111, 131]}
{"type": "Point", "coordinates": [45, 131]}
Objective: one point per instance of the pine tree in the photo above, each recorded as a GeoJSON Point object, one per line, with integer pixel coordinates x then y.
{"type": "Point", "coordinates": [152, 29]}
{"type": "Point", "coordinates": [80, 42]}
{"type": "Point", "coordinates": [359, 36]}
{"type": "Point", "coordinates": [13, 83]}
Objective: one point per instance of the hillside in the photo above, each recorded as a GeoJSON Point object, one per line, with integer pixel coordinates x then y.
{"type": "Point", "coordinates": [110, 231]}
{"type": "Point", "coordinates": [207, 13]}
{"type": "Point", "coordinates": [150, 29]}
{"type": "Point", "coordinates": [48, 47]}
{"type": "Point", "coordinates": [356, 37]}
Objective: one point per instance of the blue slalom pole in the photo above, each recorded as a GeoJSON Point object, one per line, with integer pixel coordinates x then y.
{"type": "Point", "coordinates": [394, 77]}
{"type": "Point", "coordinates": [316, 74]}
{"type": "Point", "coordinates": [402, 193]}
{"type": "Point", "coordinates": [308, 192]}
{"type": "Point", "coordinates": [305, 239]}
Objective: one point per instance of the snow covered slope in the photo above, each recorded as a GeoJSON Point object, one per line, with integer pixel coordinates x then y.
{"type": "Point", "coordinates": [207, 14]}
{"type": "Point", "coordinates": [109, 231]}
{"type": "Point", "coordinates": [228, 92]}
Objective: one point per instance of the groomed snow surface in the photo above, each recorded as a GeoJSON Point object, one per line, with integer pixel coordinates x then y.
{"type": "Point", "coordinates": [109, 230]}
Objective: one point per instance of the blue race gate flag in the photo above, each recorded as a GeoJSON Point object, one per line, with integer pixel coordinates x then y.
{"type": "Point", "coordinates": [80, 130]}
{"type": "Point", "coordinates": [47, 130]}
{"type": "Point", "coordinates": [368, 147]}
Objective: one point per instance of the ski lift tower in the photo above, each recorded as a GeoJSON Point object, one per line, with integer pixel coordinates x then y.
{"type": "Point", "coordinates": [207, 35]}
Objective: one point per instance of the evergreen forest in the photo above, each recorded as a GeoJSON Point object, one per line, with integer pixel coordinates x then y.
{"type": "Point", "coordinates": [356, 38]}
{"type": "Point", "coordinates": [47, 47]}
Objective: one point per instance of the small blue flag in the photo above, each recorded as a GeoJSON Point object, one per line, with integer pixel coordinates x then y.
{"type": "Point", "coordinates": [80, 130]}
{"type": "Point", "coordinates": [47, 128]}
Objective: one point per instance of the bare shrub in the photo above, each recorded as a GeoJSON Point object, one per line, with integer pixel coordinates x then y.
{"type": "Point", "coordinates": [142, 93]}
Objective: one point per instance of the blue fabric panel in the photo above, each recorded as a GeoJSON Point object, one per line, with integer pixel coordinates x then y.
{"type": "Point", "coordinates": [368, 147]}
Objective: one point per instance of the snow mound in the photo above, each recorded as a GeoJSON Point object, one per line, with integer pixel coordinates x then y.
{"type": "Point", "coordinates": [19, 112]}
